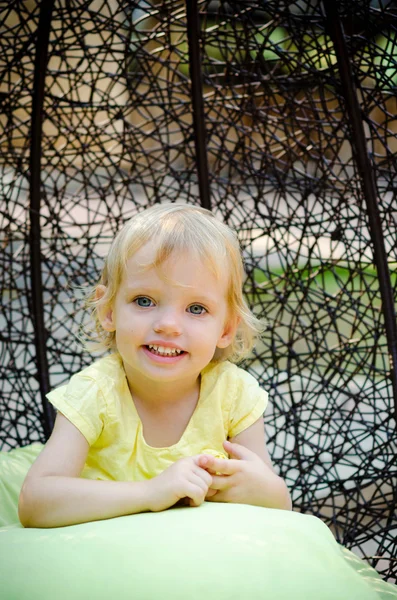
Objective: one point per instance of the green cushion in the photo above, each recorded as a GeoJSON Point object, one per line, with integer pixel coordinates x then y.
{"type": "Point", "coordinates": [13, 468]}
{"type": "Point", "coordinates": [220, 551]}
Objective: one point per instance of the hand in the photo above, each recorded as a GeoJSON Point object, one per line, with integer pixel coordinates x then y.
{"type": "Point", "coordinates": [186, 478]}
{"type": "Point", "coordinates": [245, 479]}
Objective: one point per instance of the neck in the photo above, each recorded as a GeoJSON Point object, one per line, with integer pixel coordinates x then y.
{"type": "Point", "coordinates": [155, 394]}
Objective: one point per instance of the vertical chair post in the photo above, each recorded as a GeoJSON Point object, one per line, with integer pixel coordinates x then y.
{"type": "Point", "coordinates": [360, 152]}
{"type": "Point", "coordinates": [40, 67]}
{"type": "Point", "coordinates": [196, 76]}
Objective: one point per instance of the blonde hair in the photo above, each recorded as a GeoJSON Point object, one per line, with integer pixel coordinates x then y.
{"type": "Point", "coordinates": [179, 228]}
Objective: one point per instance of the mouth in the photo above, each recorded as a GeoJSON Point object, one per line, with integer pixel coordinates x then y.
{"type": "Point", "coordinates": [164, 351]}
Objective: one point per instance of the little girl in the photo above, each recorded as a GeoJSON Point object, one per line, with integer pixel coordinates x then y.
{"type": "Point", "coordinates": [153, 423]}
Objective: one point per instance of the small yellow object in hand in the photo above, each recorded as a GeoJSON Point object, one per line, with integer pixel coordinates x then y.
{"type": "Point", "coordinates": [216, 454]}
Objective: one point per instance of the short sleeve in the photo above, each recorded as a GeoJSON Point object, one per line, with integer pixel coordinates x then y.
{"type": "Point", "coordinates": [249, 404]}
{"type": "Point", "coordinates": [81, 401]}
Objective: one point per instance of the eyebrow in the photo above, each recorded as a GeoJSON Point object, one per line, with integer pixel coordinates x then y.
{"type": "Point", "coordinates": [132, 289]}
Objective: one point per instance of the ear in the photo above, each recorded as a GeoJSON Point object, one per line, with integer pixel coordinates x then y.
{"type": "Point", "coordinates": [104, 310]}
{"type": "Point", "coordinates": [229, 332]}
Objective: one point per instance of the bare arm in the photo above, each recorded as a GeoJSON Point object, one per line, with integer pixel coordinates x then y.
{"type": "Point", "coordinates": [253, 438]}
{"type": "Point", "coordinates": [248, 477]}
{"type": "Point", "coordinates": [54, 495]}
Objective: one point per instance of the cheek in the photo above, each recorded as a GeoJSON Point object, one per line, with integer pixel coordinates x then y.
{"type": "Point", "coordinates": [125, 324]}
{"type": "Point", "coordinates": [207, 338]}
{"type": "Point", "coordinates": [127, 315]}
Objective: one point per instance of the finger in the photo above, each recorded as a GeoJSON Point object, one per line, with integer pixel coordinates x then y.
{"type": "Point", "coordinates": [204, 475]}
{"type": "Point", "coordinates": [224, 466]}
{"type": "Point", "coordinates": [198, 481]}
{"type": "Point", "coordinates": [221, 482]}
{"type": "Point", "coordinates": [194, 504]}
{"type": "Point", "coordinates": [218, 497]}
{"type": "Point", "coordinates": [238, 451]}
{"type": "Point", "coordinates": [211, 493]}
{"type": "Point", "coordinates": [196, 494]}
{"type": "Point", "coordinates": [203, 460]}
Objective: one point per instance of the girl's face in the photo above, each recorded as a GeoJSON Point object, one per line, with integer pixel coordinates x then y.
{"type": "Point", "coordinates": [165, 331]}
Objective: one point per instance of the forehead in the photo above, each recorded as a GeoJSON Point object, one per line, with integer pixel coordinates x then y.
{"type": "Point", "coordinates": [184, 269]}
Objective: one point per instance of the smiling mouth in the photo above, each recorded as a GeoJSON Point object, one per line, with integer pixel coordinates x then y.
{"type": "Point", "coordinates": [162, 351]}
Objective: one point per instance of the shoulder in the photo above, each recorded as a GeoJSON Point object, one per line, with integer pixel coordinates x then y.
{"type": "Point", "coordinates": [243, 400]}
{"type": "Point", "coordinates": [228, 374]}
{"type": "Point", "coordinates": [97, 379]}
{"type": "Point", "coordinates": [87, 399]}
{"type": "Point", "coordinates": [105, 371]}
{"type": "Point", "coordinates": [234, 385]}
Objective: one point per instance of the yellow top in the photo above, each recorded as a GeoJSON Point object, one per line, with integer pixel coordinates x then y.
{"type": "Point", "coordinates": [98, 402]}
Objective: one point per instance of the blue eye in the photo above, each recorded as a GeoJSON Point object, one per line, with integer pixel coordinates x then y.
{"type": "Point", "coordinates": [197, 309]}
{"type": "Point", "coordinates": [143, 301]}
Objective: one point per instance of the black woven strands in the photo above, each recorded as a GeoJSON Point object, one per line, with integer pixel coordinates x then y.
{"type": "Point", "coordinates": [281, 117]}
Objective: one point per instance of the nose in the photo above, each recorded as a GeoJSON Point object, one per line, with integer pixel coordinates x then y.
{"type": "Point", "coordinates": [167, 322]}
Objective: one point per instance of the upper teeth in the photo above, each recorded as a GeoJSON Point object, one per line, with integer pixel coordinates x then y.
{"type": "Point", "coordinates": [164, 350]}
